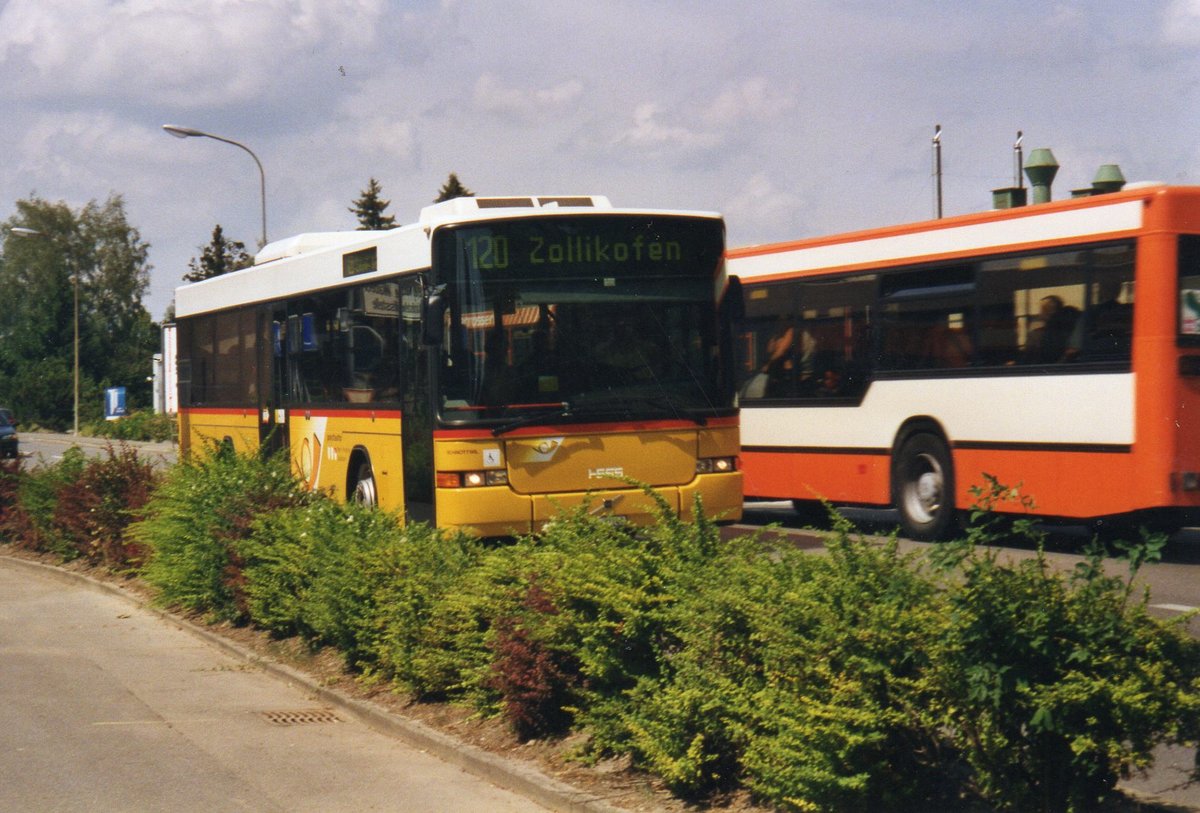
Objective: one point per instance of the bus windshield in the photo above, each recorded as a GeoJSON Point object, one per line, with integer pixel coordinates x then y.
{"type": "Point", "coordinates": [583, 317]}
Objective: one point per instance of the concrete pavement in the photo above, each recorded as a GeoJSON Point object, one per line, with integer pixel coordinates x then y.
{"type": "Point", "coordinates": [108, 705]}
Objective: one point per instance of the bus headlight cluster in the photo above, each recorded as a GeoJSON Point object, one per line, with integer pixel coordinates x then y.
{"type": "Point", "coordinates": [715, 465]}
{"type": "Point", "coordinates": [472, 479]}
{"type": "Point", "coordinates": [1189, 480]}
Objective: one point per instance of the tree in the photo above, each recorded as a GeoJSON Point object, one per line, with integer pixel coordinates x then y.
{"type": "Point", "coordinates": [369, 209]}
{"type": "Point", "coordinates": [97, 246]}
{"type": "Point", "coordinates": [453, 188]}
{"type": "Point", "coordinates": [219, 257]}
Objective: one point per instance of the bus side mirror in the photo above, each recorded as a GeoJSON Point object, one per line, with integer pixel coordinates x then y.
{"type": "Point", "coordinates": [433, 315]}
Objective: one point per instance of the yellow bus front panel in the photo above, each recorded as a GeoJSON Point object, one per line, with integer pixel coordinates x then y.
{"type": "Point", "coordinates": [500, 486]}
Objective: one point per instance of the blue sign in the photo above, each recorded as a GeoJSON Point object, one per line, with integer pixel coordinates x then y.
{"type": "Point", "coordinates": [114, 403]}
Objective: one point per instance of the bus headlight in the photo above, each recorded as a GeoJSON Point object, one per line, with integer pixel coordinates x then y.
{"type": "Point", "coordinates": [715, 465]}
{"type": "Point", "coordinates": [472, 479]}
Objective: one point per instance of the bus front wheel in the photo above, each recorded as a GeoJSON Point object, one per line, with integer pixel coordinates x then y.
{"type": "Point", "coordinates": [364, 492]}
{"type": "Point", "coordinates": [923, 487]}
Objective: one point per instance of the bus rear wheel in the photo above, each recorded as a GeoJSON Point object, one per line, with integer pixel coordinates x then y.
{"type": "Point", "coordinates": [364, 492]}
{"type": "Point", "coordinates": [923, 487]}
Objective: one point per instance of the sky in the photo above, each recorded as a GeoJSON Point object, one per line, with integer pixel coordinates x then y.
{"type": "Point", "coordinates": [793, 118]}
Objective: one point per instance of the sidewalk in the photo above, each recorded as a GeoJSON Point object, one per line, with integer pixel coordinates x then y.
{"type": "Point", "coordinates": [512, 775]}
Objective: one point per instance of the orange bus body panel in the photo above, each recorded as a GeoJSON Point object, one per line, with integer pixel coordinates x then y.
{"type": "Point", "coordinates": [1064, 479]}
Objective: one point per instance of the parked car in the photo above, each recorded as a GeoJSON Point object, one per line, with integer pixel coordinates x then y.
{"type": "Point", "coordinates": [8, 436]}
{"type": "Point", "coordinates": [7, 414]}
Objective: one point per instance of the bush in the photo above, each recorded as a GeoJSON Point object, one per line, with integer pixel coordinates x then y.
{"type": "Point", "coordinates": [139, 425]}
{"type": "Point", "coordinates": [93, 509]}
{"type": "Point", "coordinates": [1055, 686]}
{"type": "Point", "coordinates": [350, 577]}
{"type": "Point", "coordinates": [29, 523]}
{"type": "Point", "coordinates": [796, 675]}
{"type": "Point", "coordinates": [860, 679]}
{"type": "Point", "coordinates": [11, 472]}
{"type": "Point", "coordinates": [195, 520]}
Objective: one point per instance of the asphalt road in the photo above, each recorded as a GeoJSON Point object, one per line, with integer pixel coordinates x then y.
{"type": "Point", "coordinates": [106, 706]}
{"type": "Point", "coordinates": [48, 447]}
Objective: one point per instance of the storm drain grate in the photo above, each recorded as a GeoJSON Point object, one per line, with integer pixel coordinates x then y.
{"type": "Point", "coordinates": [306, 717]}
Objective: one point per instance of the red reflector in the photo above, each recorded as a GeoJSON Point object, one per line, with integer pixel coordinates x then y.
{"type": "Point", "coordinates": [449, 479]}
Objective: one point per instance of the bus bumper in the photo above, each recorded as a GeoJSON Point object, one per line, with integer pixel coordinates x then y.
{"type": "Point", "coordinates": [499, 511]}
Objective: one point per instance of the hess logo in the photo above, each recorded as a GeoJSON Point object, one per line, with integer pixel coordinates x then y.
{"type": "Point", "coordinates": [606, 473]}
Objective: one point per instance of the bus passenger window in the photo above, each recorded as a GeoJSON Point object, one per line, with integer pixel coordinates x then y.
{"type": "Point", "coordinates": [1110, 319]}
{"type": "Point", "coordinates": [807, 340]}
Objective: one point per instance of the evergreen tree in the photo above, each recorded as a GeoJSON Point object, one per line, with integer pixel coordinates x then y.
{"type": "Point", "coordinates": [369, 209]}
{"type": "Point", "coordinates": [96, 249]}
{"type": "Point", "coordinates": [453, 188]}
{"type": "Point", "coordinates": [219, 257]}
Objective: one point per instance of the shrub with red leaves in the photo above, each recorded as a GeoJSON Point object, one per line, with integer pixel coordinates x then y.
{"type": "Point", "coordinates": [94, 510]}
{"type": "Point", "coordinates": [534, 681]}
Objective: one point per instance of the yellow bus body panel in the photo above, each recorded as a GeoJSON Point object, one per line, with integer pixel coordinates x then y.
{"type": "Point", "coordinates": [323, 446]}
{"type": "Point", "coordinates": [203, 429]}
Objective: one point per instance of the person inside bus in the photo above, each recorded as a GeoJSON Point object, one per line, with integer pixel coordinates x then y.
{"type": "Point", "coordinates": [1110, 320]}
{"type": "Point", "coordinates": [1051, 341]}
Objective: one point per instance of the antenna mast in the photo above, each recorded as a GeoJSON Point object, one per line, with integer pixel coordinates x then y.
{"type": "Point", "coordinates": [1018, 161]}
{"type": "Point", "coordinates": [937, 165]}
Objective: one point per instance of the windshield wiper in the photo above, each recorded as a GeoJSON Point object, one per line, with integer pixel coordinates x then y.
{"type": "Point", "coordinates": [563, 410]}
{"type": "Point", "coordinates": [625, 404]}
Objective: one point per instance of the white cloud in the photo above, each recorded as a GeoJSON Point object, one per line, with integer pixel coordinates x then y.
{"type": "Point", "coordinates": [649, 132]}
{"type": "Point", "coordinates": [813, 116]}
{"type": "Point", "coordinates": [196, 52]}
{"type": "Point", "coordinates": [492, 95]}
{"type": "Point", "coordinates": [773, 211]}
{"type": "Point", "coordinates": [1181, 22]}
{"type": "Point", "coordinates": [752, 100]}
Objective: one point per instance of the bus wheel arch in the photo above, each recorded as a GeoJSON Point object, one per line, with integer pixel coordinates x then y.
{"type": "Point", "coordinates": [922, 481]}
{"type": "Point", "coordinates": [360, 479]}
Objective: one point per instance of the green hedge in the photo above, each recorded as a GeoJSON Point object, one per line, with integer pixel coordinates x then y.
{"type": "Point", "coordinates": [860, 678]}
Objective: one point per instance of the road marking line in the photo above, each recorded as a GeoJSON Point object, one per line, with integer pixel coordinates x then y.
{"type": "Point", "coordinates": [1177, 608]}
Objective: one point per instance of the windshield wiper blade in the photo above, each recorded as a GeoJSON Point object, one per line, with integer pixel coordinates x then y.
{"type": "Point", "coordinates": [563, 410]}
{"type": "Point", "coordinates": [625, 404]}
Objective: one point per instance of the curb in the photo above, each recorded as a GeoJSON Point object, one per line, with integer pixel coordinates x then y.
{"type": "Point", "coordinates": [517, 777]}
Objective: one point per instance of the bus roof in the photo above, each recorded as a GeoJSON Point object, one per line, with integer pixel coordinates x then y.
{"type": "Point", "coordinates": [1103, 216]}
{"type": "Point", "coordinates": [311, 261]}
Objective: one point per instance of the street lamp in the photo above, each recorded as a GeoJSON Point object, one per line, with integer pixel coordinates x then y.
{"type": "Point", "coordinates": [21, 231]}
{"type": "Point", "coordinates": [188, 132]}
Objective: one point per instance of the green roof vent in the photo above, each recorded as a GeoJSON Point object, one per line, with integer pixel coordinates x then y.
{"type": "Point", "coordinates": [1108, 179]}
{"type": "Point", "coordinates": [1041, 168]}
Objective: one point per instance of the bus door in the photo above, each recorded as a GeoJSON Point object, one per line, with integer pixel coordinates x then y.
{"type": "Point", "coordinates": [416, 423]}
{"type": "Point", "coordinates": [272, 417]}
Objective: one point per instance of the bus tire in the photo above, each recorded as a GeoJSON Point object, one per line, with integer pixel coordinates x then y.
{"type": "Point", "coordinates": [364, 492]}
{"type": "Point", "coordinates": [811, 513]}
{"type": "Point", "coordinates": [923, 487]}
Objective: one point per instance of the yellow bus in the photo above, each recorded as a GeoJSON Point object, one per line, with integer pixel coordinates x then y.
{"type": "Point", "coordinates": [496, 361]}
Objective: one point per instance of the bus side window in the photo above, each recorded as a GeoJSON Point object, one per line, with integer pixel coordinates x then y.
{"type": "Point", "coordinates": [767, 352]}
{"type": "Point", "coordinates": [1109, 317]}
{"type": "Point", "coordinates": [1039, 297]}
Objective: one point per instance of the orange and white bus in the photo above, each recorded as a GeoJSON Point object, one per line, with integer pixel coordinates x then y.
{"type": "Point", "coordinates": [898, 366]}
{"type": "Point", "coordinates": [496, 361]}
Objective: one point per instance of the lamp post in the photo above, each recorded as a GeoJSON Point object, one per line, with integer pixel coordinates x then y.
{"type": "Point", "coordinates": [188, 132]}
{"type": "Point", "coordinates": [21, 231]}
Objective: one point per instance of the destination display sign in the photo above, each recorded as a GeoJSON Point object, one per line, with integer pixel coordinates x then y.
{"type": "Point", "coordinates": [585, 245]}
